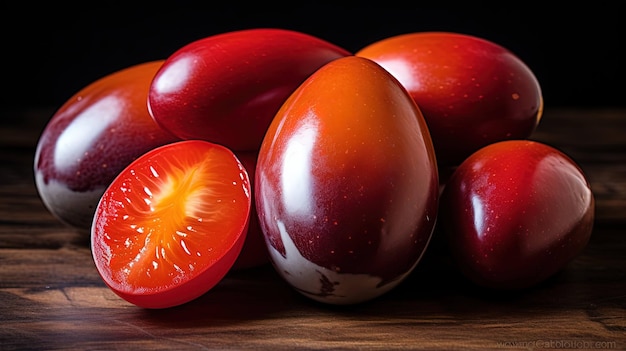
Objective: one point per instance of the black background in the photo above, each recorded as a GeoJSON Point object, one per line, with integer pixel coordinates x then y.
{"type": "Point", "coordinates": [51, 53]}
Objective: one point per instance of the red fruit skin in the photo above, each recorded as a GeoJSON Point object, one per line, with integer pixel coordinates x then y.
{"type": "Point", "coordinates": [472, 92]}
{"type": "Point", "coordinates": [91, 138]}
{"type": "Point", "coordinates": [515, 213]}
{"type": "Point", "coordinates": [226, 88]}
{"type": "Point", "coordinates": [346, 184]}
{"type": "Point", "coordinates": [254, 251]}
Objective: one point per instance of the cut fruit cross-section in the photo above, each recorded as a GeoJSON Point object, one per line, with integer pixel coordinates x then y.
{"type": "Point", "coordinates": [171, 225]}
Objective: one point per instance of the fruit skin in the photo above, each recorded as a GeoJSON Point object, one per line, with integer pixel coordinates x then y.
{"type": "Point", "coordinates": [172, 223]}
{"type": "Point", "coordinates": [346, 184]}
{"type": "Point", "coordinates": [226, 88]}
{"type": "Point", "coordinates": [91, 138]}
{"type": "Point", "coordinates": [472, 92]}
{"type": "Point", "coordinates": [515, 213]}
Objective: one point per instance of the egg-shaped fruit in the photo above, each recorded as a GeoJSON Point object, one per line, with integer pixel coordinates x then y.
{"type": "Point", "coordinates": [93, 136]}
{"type": "Point", "coordinates": [226, 88]}
{"type": "Point", "coordinates": [472, 91]}
{"type": "Point", "coordinates": [347, 184]}
{"type": "Point", "coordinates": [516, 212]}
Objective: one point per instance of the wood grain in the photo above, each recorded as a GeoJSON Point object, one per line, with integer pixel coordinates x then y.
{"type": "Point", "coordinates": [51, 297]}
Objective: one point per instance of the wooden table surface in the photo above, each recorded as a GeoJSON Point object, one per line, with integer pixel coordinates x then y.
{"type": "Point", "coordinates": [51, 296]}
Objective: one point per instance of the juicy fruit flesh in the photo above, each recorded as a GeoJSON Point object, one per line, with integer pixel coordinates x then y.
{"type": "Point", "coordinates": [169, 222]}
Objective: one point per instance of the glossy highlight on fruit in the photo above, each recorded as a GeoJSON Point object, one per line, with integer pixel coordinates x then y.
{"type": "Point", "coordinates": [172, 224]}
{"type": "Point", "coordinates": [226, 88]}
{"type": "Point", "coordinates": [91, 138]}
{"type": "Point", "coordinates": [346, 184]}
{"type": "Point", "coordinates": [515, 213]}
{"type": "Point", "coordinates": [472, 92]}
